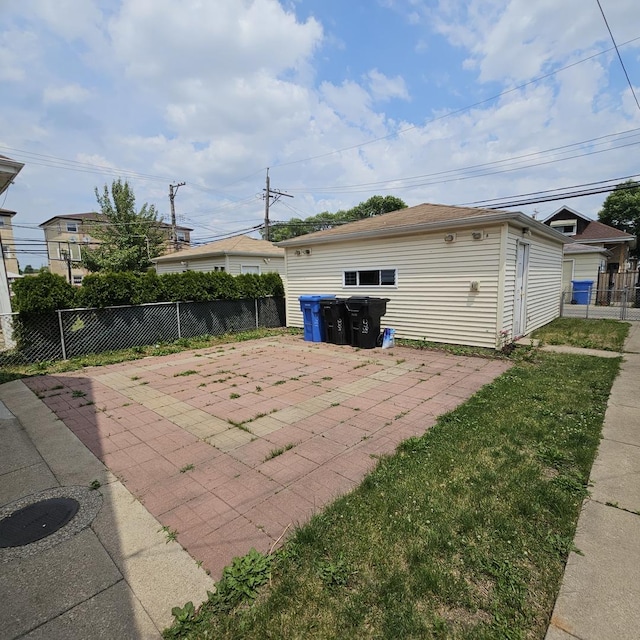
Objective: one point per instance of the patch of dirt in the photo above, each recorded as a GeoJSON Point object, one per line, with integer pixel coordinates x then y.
{"type": "Point", "coordinates": [463, 617]}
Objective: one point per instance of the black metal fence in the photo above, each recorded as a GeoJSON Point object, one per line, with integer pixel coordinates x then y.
{"type": "Point", "coordinates": [75, 332]}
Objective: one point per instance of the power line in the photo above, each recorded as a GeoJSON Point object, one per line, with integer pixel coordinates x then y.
{"type": "Point", "coordinates": [604, 17]}
{"type": "Point", "coordinates": [85, 167]}
{"type": "Point", "coordinates": [456, 111]}
{"type": "Point", "coordinates": [561, 196]}
{"type": "Point", "coordinates": [380, 184]}
{"type": "Point", "coordinates": [536, 193]}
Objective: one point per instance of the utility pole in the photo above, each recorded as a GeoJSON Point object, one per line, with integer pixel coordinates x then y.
{"type": "Point", "coordinates": [66, 256]}
{"type": "Point", "coordinates": [268, 194]}
{"type": "Point", "coordinates": [173, 189]}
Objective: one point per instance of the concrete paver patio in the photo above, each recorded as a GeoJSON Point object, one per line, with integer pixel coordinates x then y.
{"type": "Point", "coordinates": [233, 444]}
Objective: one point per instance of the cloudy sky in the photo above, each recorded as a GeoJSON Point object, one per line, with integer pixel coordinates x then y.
{"type": "Point", "coordinates": [446, 101]}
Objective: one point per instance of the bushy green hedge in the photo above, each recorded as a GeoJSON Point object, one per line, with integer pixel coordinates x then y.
{"type": "Point", "coordinates": [42, 293]}
{"type": "Point", "coordinates": [47, 292]}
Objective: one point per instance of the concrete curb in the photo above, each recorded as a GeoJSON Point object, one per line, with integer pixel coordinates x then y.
{"type": "Point", "coordinates": [119, 577]}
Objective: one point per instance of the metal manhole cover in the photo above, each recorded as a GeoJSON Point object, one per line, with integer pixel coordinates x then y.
{"type": "Point", "coordinates": [36, 521]}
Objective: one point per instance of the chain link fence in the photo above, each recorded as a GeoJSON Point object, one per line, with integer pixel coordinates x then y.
{"type": "Point", "coordinates": [75, 332]}
{"type": "Point", "coordinates": [615, 304]}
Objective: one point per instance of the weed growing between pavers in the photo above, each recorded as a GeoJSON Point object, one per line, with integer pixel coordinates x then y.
{"type": "Point", "coordinates": [462, 533]}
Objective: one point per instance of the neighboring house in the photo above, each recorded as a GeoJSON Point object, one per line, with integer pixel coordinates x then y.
{"type": "Point", "coordinates": [240, 254]}
{"type": "Point", "coordinates": [452, 274]}
{"type": "Point", "coordinates": [583, 262]}
{"type": "Point", "coordinates": [8, 245]}
{"type": "Point", "coordinates": [579, 228]}
{"type": "Point", "coordinates": [9, 169]}
{"type": "Point", "coordinates": [66, 234]}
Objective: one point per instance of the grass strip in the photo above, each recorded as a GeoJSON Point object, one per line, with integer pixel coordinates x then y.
{"type": "Point", "coordinates": [603, 334]}
{"type": "Point", "coordinates": [462, 533]}
{"type": "Point", "coordinates": [10, 370]}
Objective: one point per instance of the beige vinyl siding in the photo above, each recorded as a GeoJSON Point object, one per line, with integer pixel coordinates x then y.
{"type": "Point", "coordinates": [201, 264]}
{"type": "Point", "coordinates": [235, 263]}
{"type": "Point", "coordinates": [432, 298]}
{"type": "Point", "coordinates": [544, 282]}
{"type": "Point", "coordinates": [231, 264]}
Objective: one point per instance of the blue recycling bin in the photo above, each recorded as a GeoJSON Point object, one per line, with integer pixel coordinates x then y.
{"type": "Point", "coordinates": [581, 291]}
{"type": "Point", "coordinates": [312, 317]}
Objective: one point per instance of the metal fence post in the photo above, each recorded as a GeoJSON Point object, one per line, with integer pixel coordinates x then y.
{"type": "Point", "coordinates": [62, 344]}
{"type": "Point", "coordinates": [178, 316]}
{"type": "Point", "coordinates": [255, 300]}
{"type": "Point", "coordinates": [623, 308]}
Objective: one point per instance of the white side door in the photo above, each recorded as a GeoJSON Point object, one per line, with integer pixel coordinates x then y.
{"type": "Point", "coordinates": [520, 300]}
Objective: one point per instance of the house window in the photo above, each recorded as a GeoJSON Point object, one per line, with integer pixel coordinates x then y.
{"type": "Point", "coordinates": [72, 227]}
{"type": "Point", "coordinates": [1, 222]}
{"type": "Point", "coordinates": [370, 278]}
{"type": "Point", "coordinates": [182, 236]}
{"type": "Point", "coordinates": [568, 227]}
{"type": "Point", "coordinates": [250, 268]}
{"type": "Point", "coordinates": [218, 268]}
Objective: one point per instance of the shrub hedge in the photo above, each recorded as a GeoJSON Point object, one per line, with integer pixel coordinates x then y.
{"type": "Point", "coordinates": [47, 292]}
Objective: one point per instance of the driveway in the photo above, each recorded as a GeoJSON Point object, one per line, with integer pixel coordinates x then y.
{"type": "Point", "coordinates": [234, 445]}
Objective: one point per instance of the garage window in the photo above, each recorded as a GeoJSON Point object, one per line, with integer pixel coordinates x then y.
{"type": "Point", "coordinates": [370, 278]}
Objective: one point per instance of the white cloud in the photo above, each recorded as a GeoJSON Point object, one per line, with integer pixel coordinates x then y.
{"type": "Point", "coordinates": [517, 38]}
{"type": "Point", "coordinates": [384, 88]}
{"type": "Point", "coordinates": [70, 93]}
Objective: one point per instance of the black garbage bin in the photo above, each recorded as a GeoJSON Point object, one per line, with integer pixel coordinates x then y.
{"type": "Point", "coordinates": [365, 314]}
{"type": "Point", "coordinates": [336, 321]}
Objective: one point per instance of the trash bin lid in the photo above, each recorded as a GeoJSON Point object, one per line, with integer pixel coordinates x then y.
{"type": "Point", "coordinates": [316, 297]}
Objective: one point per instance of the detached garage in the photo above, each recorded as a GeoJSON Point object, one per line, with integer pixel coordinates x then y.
{"type": "Point", "coordinates": [236, 255]}
{"type": "Point", "coordinates": [452, 274]}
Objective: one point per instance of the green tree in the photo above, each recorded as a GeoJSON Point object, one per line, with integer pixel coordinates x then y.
{"type": "Point", "coordinates": [621, 209]}
{"type": "Point", "coordinates": [376, 205]}
{"type": "Point", "coordinates": [28, 270]}
{"type": "Point", "coordinates": [128, 239]}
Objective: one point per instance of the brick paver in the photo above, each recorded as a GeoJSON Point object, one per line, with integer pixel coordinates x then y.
{"type": "Point", "coordinates": [234, 445]}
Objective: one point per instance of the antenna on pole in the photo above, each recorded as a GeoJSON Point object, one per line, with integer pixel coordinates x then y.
{"type": "Point", "coordinates": [173, 189]}
{"type": "Point", "coordinates": [268, 194]}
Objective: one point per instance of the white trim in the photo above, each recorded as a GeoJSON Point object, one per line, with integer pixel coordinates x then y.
{"type": "Point", "coordinates": [502, 277]}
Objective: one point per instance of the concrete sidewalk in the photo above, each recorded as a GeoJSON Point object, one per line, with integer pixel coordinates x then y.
{"type": "Point", "coordinates": [117, 577]}
{"type": "Point", "coordinates": [600, 594]}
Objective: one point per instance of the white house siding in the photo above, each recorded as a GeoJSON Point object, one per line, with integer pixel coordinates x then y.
{"type": "Point", "coordinates": [544, 280]}
{"type": "Point", "coordinates": [432, 300]}
{"type": "Point", "coordinates": [586, 266]}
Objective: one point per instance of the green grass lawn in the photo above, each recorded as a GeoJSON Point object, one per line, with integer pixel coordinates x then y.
{"type": "Point", "coordinates": [589, 334]}
{"type": "Point", "coordinates": [462, 533]}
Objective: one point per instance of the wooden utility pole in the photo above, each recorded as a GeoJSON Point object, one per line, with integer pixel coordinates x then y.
{"type": "Point", "coordinates": [173, 189]}
{"type": "Point", "coordinates": [267, 199]}
{"type": "Point", "coordinates": [268, 194]}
